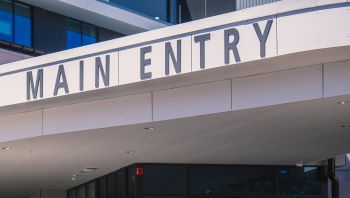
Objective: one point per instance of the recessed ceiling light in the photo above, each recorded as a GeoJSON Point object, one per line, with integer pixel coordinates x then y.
{"type": "Point", "coordinates": [300, 164]}
{"type": "Point", "coordinates": [6, 148]}
{"type": "Point", "coordinates": [89, 169]}
{"type": "Point", "coordinates": [149, 128]}
{"type": "Point", "coordinates": [130, 152]}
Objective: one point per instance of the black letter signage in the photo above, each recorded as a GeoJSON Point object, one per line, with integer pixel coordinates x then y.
{"type": "Point", "coordinates": [201, 40]}
{"type": "Point", "coordinates": [263, 36]}
{"type": "Point", "coordinates": [99, 70]}
{"type": "Point", "coordinates": [231, 46]}
{"type": "Point", "coordinates": [169, 52]}
{"type": "Point", "coordinates": [31, 88]}
{"type": "Point", "coordinates": [144, 62]}
{"type": "Point", "coordinates": [61, 84]}
{"type": "Point", "coordinates": [81, 75]}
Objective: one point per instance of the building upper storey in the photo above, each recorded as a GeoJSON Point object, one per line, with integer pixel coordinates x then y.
{"type": "Point", "coordinates": [180, 11]}
{"type": "Point", "coordinates": [37, 27]}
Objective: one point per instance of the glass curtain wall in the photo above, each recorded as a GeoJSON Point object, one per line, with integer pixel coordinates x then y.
{"type": "Point", "coordinates": [189, 10]}
{"type": "Point", "coordinates": [207, 181]}
{"type": "Point", "coordinates": [181, 11]}
{"type": "Point", "coordinates": [242, 4]}
{"type": "Point", "coordinates": [79, 33]}
{"type": "Point", "coordinates": [6, 20]}
{"type": "Point", "coordinates": [15, 23]}
{"type": "Point", "coordinates": [156, 9]}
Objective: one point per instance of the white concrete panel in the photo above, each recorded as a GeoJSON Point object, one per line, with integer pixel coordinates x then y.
{"type": "Point", "coordinates": [336, 78]}
{"type": "Point", "coordinates": [313, 30]}
{"type": "Point", "coordinates": [277, 88]}
{"type": "Point", "coordinates": [13, 89]}
{"type": "Point", "coordinates": [286, 6]}
{"type": "Point", "coordinates": [129, 63]}
{"type": "Point", "coordinates": [20, 126]}
{"type": "Point", "coordinates": [192, 100]}
{"type": "Point", "coordinates": [98, 114]}
{"type": "Point", "coordinates": [248, 45]}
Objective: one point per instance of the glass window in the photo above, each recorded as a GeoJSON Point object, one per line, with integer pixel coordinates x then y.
{"type": "Point", "coordinates": [215, 8]}
{"type": "Point", "coordinates": [131, 181]}
{"type": "Point", "coordinates": [190, 10]}
{"type": "Point", "coordinates": [72, 193]}
{"type": "Point", "coordinates": [157, 9]}
{"type": "Point", "coordinates": [6, 20]}
{"type": "Point", "coordinates": [299, 181]}
{"type": "Point", "coordinates": [17, 27]}
{"type": "Point", "coordinates": [73, 33]}
{"type": "Point", "coordinates": [232, 181]}
{"type": "Point", "coordinates": [23, 25]}
{"type": "Point", "coordinates": [165, 196]}
{"type": "Point", "coordinates": [79, 34]}
{"type": "Point", "coordinates": [164, 180]}
{"type": "Point", "coordinates": [81, 192]}
{"type": "Point", "coordinates": [91, 190]}
{"type": "Point", "coordinates": [121, 184]}
{"type": "Point", "coordinates": [102, 187]}
{"type": "Point", "coordinates": [111, 186]}
{"type": "Point", "coordinates": [88, 34]}
{"type": "Point", "coordinates": [242, 4]}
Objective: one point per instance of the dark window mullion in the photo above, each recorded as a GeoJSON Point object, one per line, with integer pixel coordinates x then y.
{"type": "Point", "coordinates": [81, 33]}
{"type": "Point", "coordinates": [13, 21]}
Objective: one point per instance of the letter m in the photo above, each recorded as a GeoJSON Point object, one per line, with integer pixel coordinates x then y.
{"type": "Point", "coordinates": [33, 89]}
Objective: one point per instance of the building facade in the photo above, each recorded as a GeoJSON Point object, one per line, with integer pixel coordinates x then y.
{"type": "Point", "coordinates": [174, 98]}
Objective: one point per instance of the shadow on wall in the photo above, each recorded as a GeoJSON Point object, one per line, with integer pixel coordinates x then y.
{"type": "Point", "coordinates": [7, 56]}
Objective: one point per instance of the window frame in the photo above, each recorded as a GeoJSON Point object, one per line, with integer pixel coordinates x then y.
{"type": "Point", "coordinates": [81, 23]}
{"type": "Point", "coordinates": [13, 13]}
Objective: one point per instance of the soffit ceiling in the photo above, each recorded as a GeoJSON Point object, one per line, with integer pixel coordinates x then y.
{"type": "Point", "coordinates": [306, 131]}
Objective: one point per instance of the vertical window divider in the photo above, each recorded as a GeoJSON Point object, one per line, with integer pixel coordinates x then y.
{"type": "Point", "coordinates": [188, 181]}
{"type": "Point", "coordinates": [86, 189]}
{"type": "Point", "coordinates": [31, 27]}
{"type": "Point", "coordinates": [13, 21]}
{"type": "Point", "coordinates": [81, 33]}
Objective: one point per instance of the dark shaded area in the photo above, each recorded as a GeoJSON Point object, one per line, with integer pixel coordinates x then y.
{"type": "Point", "coordinates": [212, 181]}
{"type": "Point", "coordinates": [215, 8]}
{"type": "Point", "coordinates": [48, 31]}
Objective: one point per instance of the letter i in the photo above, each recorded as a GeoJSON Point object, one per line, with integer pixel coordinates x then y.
{"type": "Point", "coordinates": [81, 76]}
